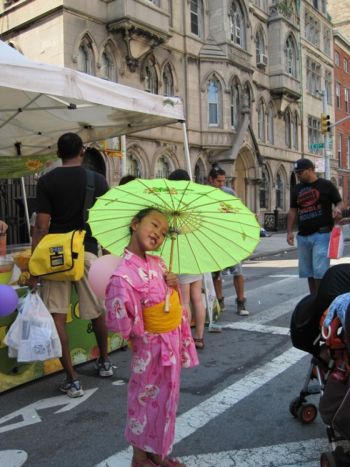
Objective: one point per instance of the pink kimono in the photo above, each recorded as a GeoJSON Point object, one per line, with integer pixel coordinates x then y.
{"type": "Point", "coordinates": [154, 384]}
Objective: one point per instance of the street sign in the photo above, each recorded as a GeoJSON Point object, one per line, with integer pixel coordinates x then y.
{"type": "Point", "coordinates": [316, 146]}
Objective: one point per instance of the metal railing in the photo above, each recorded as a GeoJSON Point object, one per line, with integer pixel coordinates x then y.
{"type": "Point", "coordinates": [12, 208]}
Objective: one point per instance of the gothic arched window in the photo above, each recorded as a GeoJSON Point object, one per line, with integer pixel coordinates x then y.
{"type": "Point", "coordinates": [213, 91]}
{"type": "Point", "coordinates": [168, 81]}
{"type": "Point", "coordinates": [237, 25]}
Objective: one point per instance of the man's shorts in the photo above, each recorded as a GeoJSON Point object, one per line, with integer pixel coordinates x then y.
{"type": "Point", "coordinates": [57, 294]}
{"type": "Point", "coordinates": [236, 270]}
{"type": "Point", "coordinates": [312, 254]}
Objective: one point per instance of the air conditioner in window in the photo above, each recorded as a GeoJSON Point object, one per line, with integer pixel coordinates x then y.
{"type": "Point", "coordinates": [262, 60]}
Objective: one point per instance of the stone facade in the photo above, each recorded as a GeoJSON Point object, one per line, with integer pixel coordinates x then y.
{"type": "Point", "coordinates": [242, 68]}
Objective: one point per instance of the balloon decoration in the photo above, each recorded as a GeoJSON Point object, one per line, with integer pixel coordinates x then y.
{"type": "Point", "coordinates": [100, 273]}
{"type": "Point", "coordinates": [8, 300]}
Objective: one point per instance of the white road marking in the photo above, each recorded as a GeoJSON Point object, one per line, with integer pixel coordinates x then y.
{"type": "Point", "coordinates": [303, 453]}
{"type": "Point", "coordinates": [30, 414]}
{"type": "Point", "coordinates": [253, 327]}
{"type": "Point", "coordinates": [195, 418]}
{"type": "Point", "coordinates": [13, 458]}
{"type": "Point", "coordinates": [283, 275]}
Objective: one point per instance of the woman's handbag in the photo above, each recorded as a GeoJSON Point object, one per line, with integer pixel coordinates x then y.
{"type": "Point", "coordinates": [60, 256]}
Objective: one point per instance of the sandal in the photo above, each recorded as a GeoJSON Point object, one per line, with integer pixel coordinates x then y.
{"type": "Point", "coordinates": [199, 342]}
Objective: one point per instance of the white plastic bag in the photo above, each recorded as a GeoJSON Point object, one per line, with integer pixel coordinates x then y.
{"type": "Point", "coordinates": [34, 336]}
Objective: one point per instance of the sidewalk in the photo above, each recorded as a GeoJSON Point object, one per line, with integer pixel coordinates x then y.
{"type": "Point", "coordinates": [276, 243]}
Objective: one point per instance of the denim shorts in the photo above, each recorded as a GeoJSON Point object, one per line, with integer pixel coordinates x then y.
{"type": "Point", "coordinates": [312, 254]}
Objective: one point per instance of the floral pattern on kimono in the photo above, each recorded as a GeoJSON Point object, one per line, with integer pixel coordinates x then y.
{"type": "Point", "coordinates": [154, 385]}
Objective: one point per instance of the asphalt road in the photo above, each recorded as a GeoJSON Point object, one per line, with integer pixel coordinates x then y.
{"type": "Point", "coordinates": [234, 408]}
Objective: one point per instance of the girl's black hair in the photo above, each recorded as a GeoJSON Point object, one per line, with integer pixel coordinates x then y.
{"type": "Point", "coordinates": [143, 213]}
{"type": "Point", "coordinates": [215, 171]}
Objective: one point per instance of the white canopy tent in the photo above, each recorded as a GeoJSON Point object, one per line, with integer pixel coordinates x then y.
{"type": "Point", "coordinates": [39, 102]}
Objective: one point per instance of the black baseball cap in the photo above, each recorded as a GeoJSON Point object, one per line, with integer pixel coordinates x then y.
{"type": "Point", "coordinates": [303, 164]}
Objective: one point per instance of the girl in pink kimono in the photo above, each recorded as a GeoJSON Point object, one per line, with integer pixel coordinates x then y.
{"type": "Point", "coordinates": [161, 341]}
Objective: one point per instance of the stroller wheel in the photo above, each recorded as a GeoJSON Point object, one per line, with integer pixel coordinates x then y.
{"type": "Point", "coordinates": [307, 413]}
{"type": "Point", "coordinates": [328, 460]}
{"type": "Point", "coordinates": [294, 406]}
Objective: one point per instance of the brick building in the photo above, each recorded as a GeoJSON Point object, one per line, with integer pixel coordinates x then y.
{"type": "Point", "coordinates": [342, 110]}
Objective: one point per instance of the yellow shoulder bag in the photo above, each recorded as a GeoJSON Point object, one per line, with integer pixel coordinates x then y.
{"type": "Point", "coordinates": [60, 256]}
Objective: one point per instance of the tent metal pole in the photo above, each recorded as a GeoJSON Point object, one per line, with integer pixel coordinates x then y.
{"type": "Point", "coordinates": [25, 203]}
{"type": "Point", "coordinates": [186, 150]}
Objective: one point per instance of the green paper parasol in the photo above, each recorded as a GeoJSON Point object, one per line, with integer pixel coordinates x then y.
{"type": "Point", "coordinates": [209, 229]}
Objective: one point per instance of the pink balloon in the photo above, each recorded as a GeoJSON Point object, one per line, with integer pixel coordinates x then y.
{"type": "Point", "coordinates": [100, 272]}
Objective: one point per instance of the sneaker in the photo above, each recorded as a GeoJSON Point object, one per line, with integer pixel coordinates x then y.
{"type": "Point", "coordinates": [241, 308]}
{"type": "Point", "coordinates": [104, 368]}
{"type": "Point", "coordinates": [72, 388]}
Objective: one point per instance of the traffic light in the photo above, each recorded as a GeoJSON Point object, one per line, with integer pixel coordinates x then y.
{"type": "Point", "coordinates": [325, 123]}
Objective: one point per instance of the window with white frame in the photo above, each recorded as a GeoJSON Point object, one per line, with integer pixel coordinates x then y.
{"type": "Point", "coordinates": [270, 126]}
{"type": "Point", "coordinates": [259, 45]}
{"type": "Point", "coordinates": [312, 29]}
{"type": "Point", "coordinates": [133, 166]}
{"type": "Point", "coordinates": [235, 105]}
{"type": "Point", "coordinates": [346, 99]}
{"type": "Point", "coordinates": [328, 86]}
{"type": "Point", "coordinates": [336, 58]}
{"type": "Point", "coordinates": [295, 131]}
{"type": "Point", "coordinates": [288, 129]}
{"type": "Point", "coordinates": [290, 57]}
{"type": "Point", "coordinates": [313, 76]}
{"type": "Point", "coordinates": [150, 76]}
{"type": "Point", "coordinates": [337, 94]}
{"type": "Point", "coordinates": [348, 153]}
{"type": "Point", "coordinates": [279, 191]}
{"type": "Point", "coordinates": [162, 168]}
{"type": "Point", "coordinates": [345, 65]}
{"type": "Point", "coordinates": [168, 81]}
{"type": "Point", "coordinates": [261, 121]}
{"type": "Point", "coordinates": [340, 149]}
{"type": "Point", "coordinates": [197, 17]}
{"type": "Point", "coordinates": [327, 38]}
{"type": "Point", "coordinates": [108, 67]}
{"type": "Point", "coordinates": [314, 133]}
{"type": "Point", "coordinates": [264, 189]}
{"type": "Point", "coordinates": [237, 26]}
{"type": "Point", "coordinates": [213, 92]}
{"type": "Point", "coordinates": [86, 62]}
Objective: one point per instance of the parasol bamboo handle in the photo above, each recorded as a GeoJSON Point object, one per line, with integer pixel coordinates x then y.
{"type": "Point", "coordinates": [167, 296]}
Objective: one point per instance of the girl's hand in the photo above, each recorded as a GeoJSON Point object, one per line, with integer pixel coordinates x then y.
{"type": "Point", "coordinates": [171, 279]}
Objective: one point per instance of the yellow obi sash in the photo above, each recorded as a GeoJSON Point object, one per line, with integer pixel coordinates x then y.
{"type": "Point", "coordinates": [157, 321]}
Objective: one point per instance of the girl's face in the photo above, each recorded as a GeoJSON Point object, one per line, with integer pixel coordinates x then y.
{"type": "Point", "coordinates": [150, 232]}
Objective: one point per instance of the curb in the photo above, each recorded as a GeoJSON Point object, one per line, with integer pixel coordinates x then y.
{"type": "Point", "coordinates": [265, 254]}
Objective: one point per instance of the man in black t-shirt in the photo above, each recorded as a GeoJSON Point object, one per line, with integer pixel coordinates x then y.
{"type": "Point", "coordinates": [60, 202]}
{"type": "Point", "coordinates": [316, 204]}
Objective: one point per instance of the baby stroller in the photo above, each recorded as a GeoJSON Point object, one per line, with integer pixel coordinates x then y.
{"type": "Point", "coordinates": [330, 360]}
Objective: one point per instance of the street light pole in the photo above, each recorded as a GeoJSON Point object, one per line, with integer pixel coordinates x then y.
{"type": "Point", "coordinates": [327, 170]}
